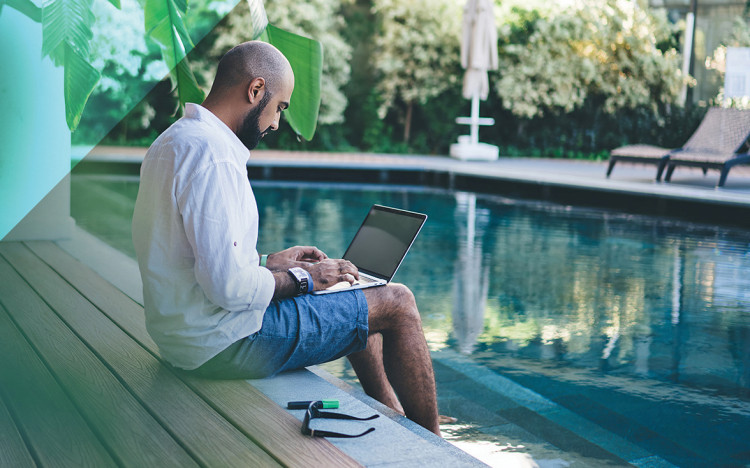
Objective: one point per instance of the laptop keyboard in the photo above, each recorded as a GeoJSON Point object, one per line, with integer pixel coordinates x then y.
{"type": "Point", "coordinates": [364, 280]}
{"type": "Point", "coordinates": [345, 284]}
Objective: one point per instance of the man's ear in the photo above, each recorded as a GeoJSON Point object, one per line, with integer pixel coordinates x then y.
{"type": "Point", "coordinates": [255, 89]}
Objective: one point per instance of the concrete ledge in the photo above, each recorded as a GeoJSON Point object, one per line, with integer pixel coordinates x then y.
{"type": "Point", "coordinates": [396, 441]}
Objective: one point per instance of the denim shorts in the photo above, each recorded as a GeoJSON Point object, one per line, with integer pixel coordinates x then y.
{"type": "Point", "coordinates": [296, 332]}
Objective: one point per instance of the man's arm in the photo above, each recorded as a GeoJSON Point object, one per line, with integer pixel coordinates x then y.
{"type": "Point", "coordinates": [222, 234]}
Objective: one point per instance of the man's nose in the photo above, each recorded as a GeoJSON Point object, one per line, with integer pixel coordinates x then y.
{"type": "Point", "coordinates": [275, 124]}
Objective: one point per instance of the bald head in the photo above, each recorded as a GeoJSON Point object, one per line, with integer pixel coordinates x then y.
{"type": "Point", "coordinates": [253, 85]}
{"type": "Point", "coordinates": [250, 60]}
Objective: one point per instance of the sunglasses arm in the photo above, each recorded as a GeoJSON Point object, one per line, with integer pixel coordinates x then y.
{"type": "Point", "coordinates": [329, 415]}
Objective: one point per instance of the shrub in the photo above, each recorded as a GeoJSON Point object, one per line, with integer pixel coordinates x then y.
{"type": "Point", "coordinates": [601, 50]}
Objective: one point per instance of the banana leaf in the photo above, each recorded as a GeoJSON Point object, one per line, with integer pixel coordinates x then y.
{"type": "Point", "coordinates": [306, 58]}
{"type": "Point", "coordinates": [164, 20]}
{"type": "Point", "coordinates": [66, 32]}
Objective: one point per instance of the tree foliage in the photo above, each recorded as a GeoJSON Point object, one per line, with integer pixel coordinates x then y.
{"type": "Point", "coordinates": [593, 49]}
{"type": "Point", "coordinates": [576, 77]}
{"type": "Point", "coordinates": [131, 64]}
{"type": "Point", "coordinates": [416, 50]}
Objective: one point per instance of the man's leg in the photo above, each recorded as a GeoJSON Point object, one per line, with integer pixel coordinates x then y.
{"type": "Point", "coordinates": [406, 359]}
{"type": "Point", "coordinates": [368, 364]}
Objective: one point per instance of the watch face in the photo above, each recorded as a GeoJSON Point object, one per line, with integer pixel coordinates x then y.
{"type": "Point", "coordinates": [300, 278]}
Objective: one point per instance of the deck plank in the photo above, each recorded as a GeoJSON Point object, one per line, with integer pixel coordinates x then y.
{"type": "Point", "coordinates": [208, 436]}
{"type": "Point", "coordinates": [124, 426]}
{"type": "Point", "coordinates": [56, 432]}
{"type": "Point", "coordinates": [247, 407]}
{"type": "Point", "coordinates": [14, 452]}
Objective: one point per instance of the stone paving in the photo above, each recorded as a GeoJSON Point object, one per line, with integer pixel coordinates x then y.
{"type": "Point", "coordinates": [686, 182]}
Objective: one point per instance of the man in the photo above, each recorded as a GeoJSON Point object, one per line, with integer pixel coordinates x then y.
{"type": "Point", "coordinates": [210, 306]}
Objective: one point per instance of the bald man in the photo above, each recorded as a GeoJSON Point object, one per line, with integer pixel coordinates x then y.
{"type": "Point", "coordinates": [210, 306]}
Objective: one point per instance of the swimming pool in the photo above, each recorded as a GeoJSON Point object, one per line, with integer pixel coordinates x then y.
{"type": "Point", "coordinates": [638, 325]}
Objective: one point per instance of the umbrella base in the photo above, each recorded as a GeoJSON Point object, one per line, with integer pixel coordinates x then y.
{"type": "Point", "coordinates": [474, 151]}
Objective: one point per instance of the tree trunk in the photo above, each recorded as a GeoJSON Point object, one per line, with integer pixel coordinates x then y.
{"type": "Point", "coordinates": [407, 123]}
{"type": "Point", "coordinates": [521, 128]}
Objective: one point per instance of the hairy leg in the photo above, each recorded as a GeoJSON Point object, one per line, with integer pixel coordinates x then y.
{"type": "Point", "coordinates": [368, 364]}
{"type": "Point", "coordinates": [406, 359]}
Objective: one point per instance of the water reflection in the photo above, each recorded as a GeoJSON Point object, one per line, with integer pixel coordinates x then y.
{"type": "Point", "coordinates": [606, 292]}
{"type": "Point", "coordinates": [471, 280]}
{"type": "Point", "coordinates": [622, 295]}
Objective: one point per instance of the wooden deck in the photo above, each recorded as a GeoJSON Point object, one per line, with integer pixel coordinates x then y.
{"type": "Point", "coordinates": [82, 383]}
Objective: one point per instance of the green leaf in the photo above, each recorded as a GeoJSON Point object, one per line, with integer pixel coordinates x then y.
{"type": "Point", "coordinates": [158, 12]}
{"type": "Point", "coordinates": [306, 57]}
{"type": "Point", "coordinates": [258, 16]}
{"type": "Point", "coordinates": [164, 20]}
{"type": "Point", "coordinates": [26, 7]}
{"type": "Point", "coordinates": [116, 4]}
{"type": "Point", "coordinates": [185, 84]}
{"type": "Point", "coordinates": [66, 22]}
{"type": "Point", "coordinates": [66, 32]}
{"type": "Point", "coordinates": [80, 78]}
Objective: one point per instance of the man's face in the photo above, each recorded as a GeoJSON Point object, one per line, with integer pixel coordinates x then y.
{"type": "Point", "coordinates": [265, 117]}
{"type": "Point", "coordinates": [250, 133]}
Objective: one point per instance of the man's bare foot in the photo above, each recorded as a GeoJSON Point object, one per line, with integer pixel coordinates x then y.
{"type": "Point", "coordinates": [443, 419]}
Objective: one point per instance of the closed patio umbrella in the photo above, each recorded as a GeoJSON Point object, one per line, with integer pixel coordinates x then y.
{"type": "Point", "coordinates": [478, 47]}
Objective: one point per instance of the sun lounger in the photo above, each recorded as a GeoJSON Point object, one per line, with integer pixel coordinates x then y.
{"type": "Point", "coordinates": [707, 161]}
{"type": "Point", "coordinates": [721, 154]}
{"type": "Point", "coordinates": [642, 154]}
{"type": "Point", "coordinates": [714, 145]}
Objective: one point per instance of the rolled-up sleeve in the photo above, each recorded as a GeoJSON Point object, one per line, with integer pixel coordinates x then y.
{"type": "Point", "coordinates": [220, 220]}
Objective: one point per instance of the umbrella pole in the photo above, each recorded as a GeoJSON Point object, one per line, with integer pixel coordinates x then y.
{"type": "Point", "coordinates": [474, 119]}
{"type": "Point", "coordinates": [468, 146]}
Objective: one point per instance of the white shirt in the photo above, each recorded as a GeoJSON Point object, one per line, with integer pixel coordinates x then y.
{"type": "Point", "coordinates": [195, 229]}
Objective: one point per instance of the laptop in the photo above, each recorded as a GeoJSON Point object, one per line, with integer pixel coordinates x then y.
{"type": "Point", "coordinates": [379, 247]}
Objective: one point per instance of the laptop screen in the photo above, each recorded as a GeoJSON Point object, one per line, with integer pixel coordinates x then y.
{"type": "Point", "coordinates": [383, 240]}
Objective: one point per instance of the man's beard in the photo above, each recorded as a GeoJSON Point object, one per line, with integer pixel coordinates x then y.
{"type": "Point", "coordinates": [249, 132]}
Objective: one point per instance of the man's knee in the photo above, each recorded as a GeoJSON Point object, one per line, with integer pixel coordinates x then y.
{"type": "Point", "coordinates": [394, 302]}
{"type": "Point", "coordinates": [392, 296]}
{"type": "Point", "coordinates": [402, 295]}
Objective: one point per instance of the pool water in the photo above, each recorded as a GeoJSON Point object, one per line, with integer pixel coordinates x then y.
{"type": "Point", "coordinates": [639, 325]}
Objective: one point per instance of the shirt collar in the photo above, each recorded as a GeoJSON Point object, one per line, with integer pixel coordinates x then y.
{"type": "Point", "coordinates": [198, 112]}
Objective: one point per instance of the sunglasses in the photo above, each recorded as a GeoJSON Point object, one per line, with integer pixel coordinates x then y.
{"type": "Point", "coordinates": [313, 411]}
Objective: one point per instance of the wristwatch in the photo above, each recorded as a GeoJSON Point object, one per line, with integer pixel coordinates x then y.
{"type": "Point", "coordinates": [302, 279]}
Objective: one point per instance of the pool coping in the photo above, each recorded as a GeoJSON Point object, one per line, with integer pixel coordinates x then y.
{"type": "Point", "coordinates": [568, 182]}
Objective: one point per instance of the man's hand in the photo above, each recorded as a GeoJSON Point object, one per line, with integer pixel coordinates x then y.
{"type": "Point", "coordinates": [293, 256]}
{"type": "Point", "coordinates": [328, 272]}
{"type": "Point", "coordinates": [325, 274]}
